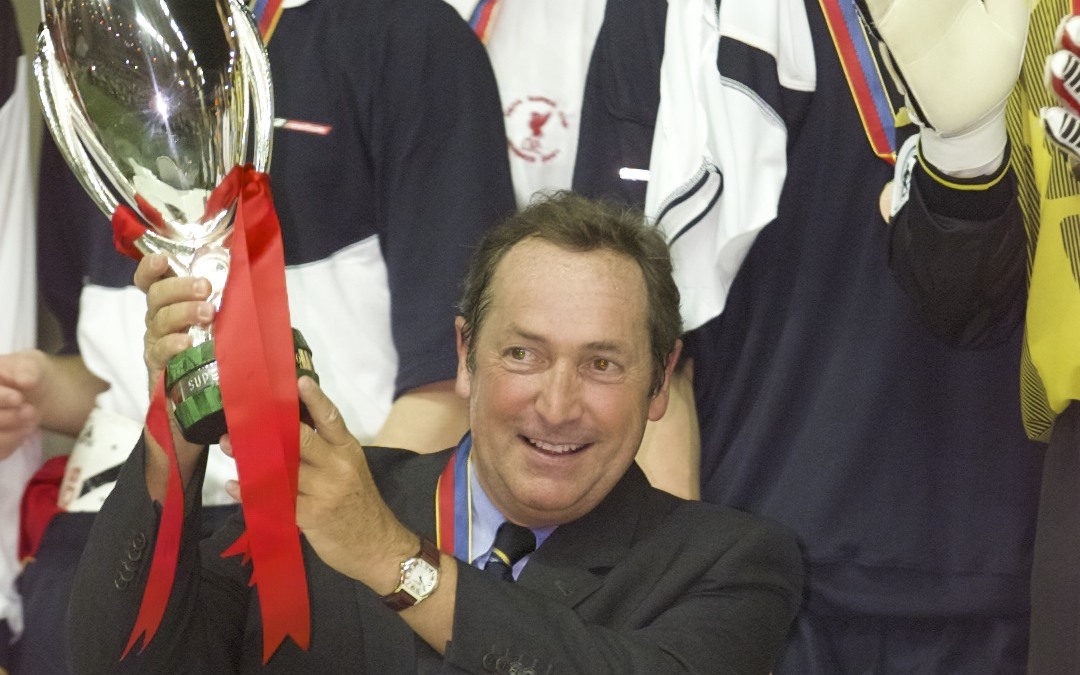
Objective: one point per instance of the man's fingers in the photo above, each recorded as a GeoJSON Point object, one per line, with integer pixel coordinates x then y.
{"type": "Point", "coordinates": [158, 351]}
{"type": "Point", "coordinates": [327, 418]}
{"type": "Point", "coordinates": [232, 487]}
{"type": "Point", "coordinates": [151, 268]}
{"type": "Point", "coordinates": [174, 304]}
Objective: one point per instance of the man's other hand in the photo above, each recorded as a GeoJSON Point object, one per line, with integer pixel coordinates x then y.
{"type": "Point", "coordinates": [338, 507]}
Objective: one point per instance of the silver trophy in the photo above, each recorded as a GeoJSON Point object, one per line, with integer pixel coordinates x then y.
{"type": "Point", "coordinates": [153, 103]}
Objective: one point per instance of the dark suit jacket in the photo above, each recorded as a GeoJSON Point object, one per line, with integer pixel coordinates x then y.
{"type": "Point", "coordinates": [646, 583]}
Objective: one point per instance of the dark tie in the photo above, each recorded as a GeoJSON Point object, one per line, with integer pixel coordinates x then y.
{"type": "Point", "coordinates": [512, 543]}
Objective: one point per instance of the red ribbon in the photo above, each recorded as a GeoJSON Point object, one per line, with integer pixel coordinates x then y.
{"type": "Point", "coordinates": [39, 505]}
{"type": "Point", "coordinates": [167, 546]}
{"type": "Point", "coordinates": [127, 228]}
{"type": "Point", "coordinates": [256, 367]}
{"type": "Point", "coordinates": [257, 371]}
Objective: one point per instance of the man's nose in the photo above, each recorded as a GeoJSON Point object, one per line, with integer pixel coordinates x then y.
{"type": "Point", "coordinates": [560, 396]}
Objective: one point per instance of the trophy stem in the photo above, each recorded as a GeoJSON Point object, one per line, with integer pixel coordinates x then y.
{"type": "Point", "coordinates": [192, 384]}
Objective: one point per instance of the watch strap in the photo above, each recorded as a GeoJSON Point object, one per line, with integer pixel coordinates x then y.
{"type": "Point", "coordinates": [401, 599]}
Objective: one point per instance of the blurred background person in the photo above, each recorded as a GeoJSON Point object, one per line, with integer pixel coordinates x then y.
{"type": "Point", "coordinates": [20, 445]}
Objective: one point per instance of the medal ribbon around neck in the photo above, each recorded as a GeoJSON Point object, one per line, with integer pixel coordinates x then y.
{"type": "Point", "coordinates": [453, 504]}
{"type": "Point", "coordinates": [266, 13]}
{"type": "Point", "coordinates": [863, 76]}
{"type": "Point", "coordinates": [482, 20]}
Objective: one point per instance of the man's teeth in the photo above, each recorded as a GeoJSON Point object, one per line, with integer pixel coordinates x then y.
{"type": "Point", "coordinates": [556, 448]}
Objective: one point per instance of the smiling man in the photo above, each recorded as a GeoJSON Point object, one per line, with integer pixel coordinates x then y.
{"type": "Point", "coordinates": [567, 336]}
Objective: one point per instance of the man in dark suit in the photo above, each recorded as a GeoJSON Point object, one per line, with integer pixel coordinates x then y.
{"type": "Point", "coordinates": [567, 334]}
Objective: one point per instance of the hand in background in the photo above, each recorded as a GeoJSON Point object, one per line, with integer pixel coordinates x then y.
{"type": "Point", "coordinates": [1062, 78]}
{"type": "Point", "coordinates": [22, 390]}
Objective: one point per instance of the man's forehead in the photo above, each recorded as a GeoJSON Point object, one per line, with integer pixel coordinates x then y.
{"type": "Point", "coordinates": [594, 297]}
{"type": "Point", "coordinates": [540, 256]}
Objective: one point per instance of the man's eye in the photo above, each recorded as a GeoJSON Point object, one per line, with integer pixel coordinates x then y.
{"type": "Point", "coordinates": [601, 364]}
{"type": "Point", "coordinates": [517, 353]}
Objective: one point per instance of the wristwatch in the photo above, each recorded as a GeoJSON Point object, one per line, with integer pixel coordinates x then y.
{"type": "Point", "coordinates": [419, 578]}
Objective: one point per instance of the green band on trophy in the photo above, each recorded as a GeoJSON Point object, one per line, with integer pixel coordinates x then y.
{"type": "Point", "coordinates": [191, 381]}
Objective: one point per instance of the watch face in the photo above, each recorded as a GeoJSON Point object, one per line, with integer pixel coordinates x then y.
{"type": "Point", "coordinates": [421, 578]}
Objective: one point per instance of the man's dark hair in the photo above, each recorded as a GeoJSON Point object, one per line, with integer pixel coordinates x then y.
{"type": "Point", "coordinates": [575, 223]}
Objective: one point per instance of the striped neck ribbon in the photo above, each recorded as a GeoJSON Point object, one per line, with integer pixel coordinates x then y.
{"type": "Point", "coordinates": [453, 504]}
{"type": "Point", "coordinates": [482, 20]}
{"type": "Point", "coordinates": [863, 76]}
{"type": "Point", "coordinates": [266, 13]}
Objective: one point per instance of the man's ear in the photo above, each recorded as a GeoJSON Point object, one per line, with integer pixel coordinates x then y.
{"type": "Point", "coordinates": [659, 402]}
{"type": "Point", "coordinates": [463, 385]}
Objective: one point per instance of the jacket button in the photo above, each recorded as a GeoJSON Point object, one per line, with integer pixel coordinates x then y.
{"type": "Point", "coordinates": [119, 583]}
{"type": "Point", "coordinates": [138, 541]}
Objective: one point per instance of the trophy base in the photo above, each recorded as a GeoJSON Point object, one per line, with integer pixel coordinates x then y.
{"type": "Point", "coordinates": [191, 382]}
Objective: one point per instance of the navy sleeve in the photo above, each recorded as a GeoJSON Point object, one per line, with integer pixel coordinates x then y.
{"type": "Point", "coordinates": [960, 255]}
{"type": "Point", "coordinates": [431, 113]}
{"type": "Point", "coordinates": [64, 213]}
{"type": "Point", "coordinates": [622, 95]}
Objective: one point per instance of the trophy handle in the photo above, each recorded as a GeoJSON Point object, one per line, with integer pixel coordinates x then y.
{"type": "Point", "coordinates": [256, 67]}
{"type": "Point", "coordinates": [74, 136]}
{"type": "Point", "coordinates": [59, 120]}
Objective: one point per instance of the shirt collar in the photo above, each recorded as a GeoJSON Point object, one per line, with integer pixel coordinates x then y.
{"type": "Point", "coordinates": [486, 519]}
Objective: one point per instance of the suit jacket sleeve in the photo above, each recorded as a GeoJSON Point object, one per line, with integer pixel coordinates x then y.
{"type": "Point", "coordinates": [112, 575]}
{"type": "Point", "coordinates": [959, 252]}
{"type": "Point", "coordinates": [719, 600]}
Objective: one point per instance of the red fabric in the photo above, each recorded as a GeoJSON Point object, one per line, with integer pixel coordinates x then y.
{"type": "Point", "coordinates": [256, 366]}
{"type": "Point", "coordinates": [224, 195]}
{"type": "Point", "coordinates": [127, 227]}
{"type": "Point", "coordinates": [38, 505]}
{"type": "Point", "coordinates": [167, 546]}
{"type": "Point", "coordinates": [254, 349]}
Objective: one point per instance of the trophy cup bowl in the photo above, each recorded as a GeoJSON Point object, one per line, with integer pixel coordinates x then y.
{"type": "Point", "coordinates": [153, 104]}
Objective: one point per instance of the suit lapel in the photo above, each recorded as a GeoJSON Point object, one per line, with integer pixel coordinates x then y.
{"type": "Point", "coordinates": [574, 561]}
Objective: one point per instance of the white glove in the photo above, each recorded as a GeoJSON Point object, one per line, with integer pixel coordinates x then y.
{"type": "Point", "coordinates": [956, 62]}
{"type": "Point", "coordinates": [1062, 77]}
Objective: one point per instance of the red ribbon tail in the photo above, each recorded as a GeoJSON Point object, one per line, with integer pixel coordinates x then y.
{"type": "Point", "coordinates": [257, 373]}
{"type": "Point", "coordinates": [167, 546]}
{"type": "Point", "coordinates": [239, 547]}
